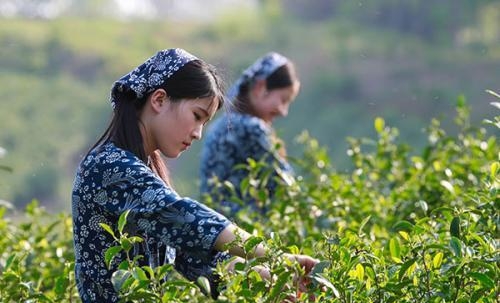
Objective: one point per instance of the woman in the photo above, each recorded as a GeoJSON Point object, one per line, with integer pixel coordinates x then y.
{"type": "Point", "coordinates": [160, 107]}
{"type": "Point", "coordinates": [263, 92]}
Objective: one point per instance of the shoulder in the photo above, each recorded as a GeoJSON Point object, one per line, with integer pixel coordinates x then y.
{"type": "Point", "coordinates": [109, 161]}
{"type": "Point", "coordinates": [110, 155]}
{"type": "Point", "coordinates": [247, 125]}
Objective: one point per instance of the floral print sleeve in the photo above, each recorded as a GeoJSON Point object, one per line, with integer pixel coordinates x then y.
{"type": "Point", "coordinates": [230, 141]}
{"type": "Point", "coordinates": [175, 229]}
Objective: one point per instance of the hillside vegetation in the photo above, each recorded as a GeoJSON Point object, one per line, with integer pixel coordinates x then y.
{"type": "Point", "coordinates": [354, 66]}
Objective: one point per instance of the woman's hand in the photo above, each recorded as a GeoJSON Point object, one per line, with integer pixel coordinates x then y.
{"type": "Point", "coordinates": [306, 261]}
{"type": "Point", "coordinates": [302, 282]}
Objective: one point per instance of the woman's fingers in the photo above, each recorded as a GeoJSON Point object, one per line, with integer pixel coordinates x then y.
{"type": "Point", "coordinates": [306, 261]}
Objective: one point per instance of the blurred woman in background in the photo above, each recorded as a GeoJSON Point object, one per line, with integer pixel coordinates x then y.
{"type": "Point", "coordinates": [263, 92]}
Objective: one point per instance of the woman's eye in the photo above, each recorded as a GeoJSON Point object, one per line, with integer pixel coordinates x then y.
{"type": "Point", "coordinates": [197, 117]}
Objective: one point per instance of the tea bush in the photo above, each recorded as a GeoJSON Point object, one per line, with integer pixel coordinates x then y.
{"type": "Point", "coordinates": [401, 226]}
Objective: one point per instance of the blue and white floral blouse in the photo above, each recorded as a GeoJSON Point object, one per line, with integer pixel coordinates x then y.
{"type": "Point", "coordinates": [175, 230]}
{"type": "Point", "coordinates": [230, 141]}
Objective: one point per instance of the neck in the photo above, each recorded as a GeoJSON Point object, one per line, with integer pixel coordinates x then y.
{"type": "Point", "coordinates": [146, 140]}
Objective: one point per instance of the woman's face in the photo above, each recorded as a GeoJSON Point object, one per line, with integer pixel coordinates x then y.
{"type": "Point", "coordinates": [177, 124]}
{"type": "Point", "coordinates": [269, 104]}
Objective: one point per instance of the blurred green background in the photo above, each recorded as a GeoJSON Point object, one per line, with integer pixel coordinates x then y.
{"type": "Point", "coordinates": [405, 61]}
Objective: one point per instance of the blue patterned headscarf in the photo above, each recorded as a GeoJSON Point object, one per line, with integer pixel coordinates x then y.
{"type": "Point", "coordinates": [260, 69]}
{"type": "Point", "coordinates": [151, 75]}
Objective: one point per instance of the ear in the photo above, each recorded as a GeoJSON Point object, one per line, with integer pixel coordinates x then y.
{"type": "Point", "coordinates": [158, 99]}
{"type": "Point", "coordinates": [259, 88]}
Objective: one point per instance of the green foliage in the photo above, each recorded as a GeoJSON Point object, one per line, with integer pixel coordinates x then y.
{"type": "Point", "coordinates": [399, 227]}
{"type": "Point", "coordinates": [36, 257]}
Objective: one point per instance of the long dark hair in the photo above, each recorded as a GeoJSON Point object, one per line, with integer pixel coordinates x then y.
{"type": "Point", "coordinates": [196, 79]}
{"type": "Point", "coordinates": [282, 77]}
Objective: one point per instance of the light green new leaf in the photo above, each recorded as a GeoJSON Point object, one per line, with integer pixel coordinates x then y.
{"type": "Point", "coordinates": [122, 221]}
{"type": "Point", "coordinates": [448, 186]}
{"type": "Point", "coordinates": [379, 124]}
{"type": "Point", "coordinates": [494, 169]}
{"type": "Point", "coordinates": [437, 260]}
{"type": "Point", "coordinates": [395, 248]}
{"type": "Point", "coordinates": [139, 274]}
{"type": "Point", "coordinates": [363, 223]}
{"type": "Point", "coordinates": [108, 228]}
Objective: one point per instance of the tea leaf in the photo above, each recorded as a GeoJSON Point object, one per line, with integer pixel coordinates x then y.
{"type": "Point", "coordinates": [251, 243]}
{"type": "Point", "coordinates": [139, 274]}
{"type": "Point", "coordinates": [122, 220]}
{"type": "Point", "coordinates": [483, 279]}
{"type": "Point", "coordinates": [395, 248]}
{"type": "Point", "coordinates": [204, 284]}
{"type": "Point", "coordinates": [403, 226]}
{"type": "Point", "coordinates": [107, 228]}
{"type": "Point", "coordinates": [363, 223]}
{"type": "Point", "coordinates": [494, 169]}
{"type": "Point", "coordinates": [455, 227]}
{"type": "Point", "coordinates": [278, 285]}
{"type": "Point", "coordinates": [405, 267]}
{"type": "Point", "coordinates": [437, 260]}
{"type": "Point", "coordinates": [323, 281]}
{"type": "Point", "coordinates": [118, 279]}
{"type": "Point", "coordinates": [110, 254]}
{"type": "Point", "coordinates": [456, 246]}
{"type": "Point", "coordinates": [448, 186]}
{"type": "Point", "coordinates": [379, 124]}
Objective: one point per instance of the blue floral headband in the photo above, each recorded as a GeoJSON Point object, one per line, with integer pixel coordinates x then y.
{"type": "Point", "coordinates": [150, 75]}
{"type": "Point", "coordinates": [260, 69]}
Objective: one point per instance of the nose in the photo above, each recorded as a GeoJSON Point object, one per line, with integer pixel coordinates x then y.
{"type": "Point", "coordinates": [283, 109]}
{"type": "Point", "coordinates": [197, 132]}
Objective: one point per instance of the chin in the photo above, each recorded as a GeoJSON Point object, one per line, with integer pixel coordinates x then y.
{"type": "Point", "coordinates": [173, 155]}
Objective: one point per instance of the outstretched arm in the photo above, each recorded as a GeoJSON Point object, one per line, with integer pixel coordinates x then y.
{"type": "Point", "coordinates": [232, 232]}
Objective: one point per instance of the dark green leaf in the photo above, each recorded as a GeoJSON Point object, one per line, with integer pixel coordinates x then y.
{"type": "Point", "coordinates": [110, 254]}
{"type": "Point", "coordinates": [278, 285]}
{"type": "Point", "coordinates": [320, 267]}
{"type": "Point", "coordinates": [9, 261]}
{"type": "Point", "coordinates": [456, 246]}
{"type": "Point", "coordinates": [61, 286]}
{"type": "Point", "coordinates": [251, 243]}
{"type": "Point", "coordinates": [126, 244]}
{"type": "Point", "coordinates": [483, 279]}
{"type": "Point", "coordinates": [320, 279]}
{"type": "Point", "coordinates": [455, 227]}
{"type": "Point", "coordinates": [403, 226]}
{"type": "Point", "coordinates": [404, 268]}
